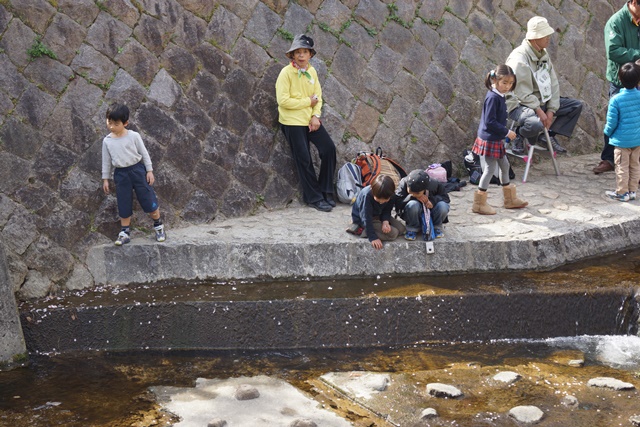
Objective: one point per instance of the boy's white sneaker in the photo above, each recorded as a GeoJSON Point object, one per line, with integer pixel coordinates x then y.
{"type": "Point", "coordinates": [619, 197]}
{"type": "Point", "coordinates": [160, 235]}
{"type": "Point", "coordinates": [122, 239]}
{"type": "Point", "coordinates": [632, 195]}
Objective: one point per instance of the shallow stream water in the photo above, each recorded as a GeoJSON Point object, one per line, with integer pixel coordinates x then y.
{"type": "Point", "coordinates": [112, 389]}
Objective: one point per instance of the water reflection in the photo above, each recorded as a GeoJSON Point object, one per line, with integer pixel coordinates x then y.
{"type": "Point", "coordinates": [110, 390]}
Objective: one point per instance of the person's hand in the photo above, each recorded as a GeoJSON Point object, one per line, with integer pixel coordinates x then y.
{"type": "Point", "coordinates": [105, 186]}
{"type": "Point", "coordinates": [314, 100]}
{"type": "Point", "coordinates": [542, 116]}
{"type": "Point", "coordinates": [550, 117]}
{"type": "Point", "coordinates": [314, 124]}
{"type": "Point", "coordinates": [424, 199]}
{"type": "Point", "coordinates": [377, 244]}
{"type": "Point", "coordinates": [545, 118]}
{"type": "Point", "coordinates": [386, 228]}
{"type": "Point", "coordinates": [512, 135]}
{"type": "Point", "coordinates": [150, 178]}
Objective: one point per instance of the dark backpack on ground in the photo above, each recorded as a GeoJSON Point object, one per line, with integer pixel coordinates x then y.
{"type": "Point", "coordinates": [474, 168]}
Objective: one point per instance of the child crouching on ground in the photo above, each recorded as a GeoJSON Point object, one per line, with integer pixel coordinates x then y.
{"type": "Point", "coordinates": [416, 192]}
{"type": "Point", "coordinates": [124, 155]}
{"type": "Point", "coordinates": [371, 212]}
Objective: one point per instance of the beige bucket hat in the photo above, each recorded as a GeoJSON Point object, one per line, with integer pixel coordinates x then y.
{"type": "Point", "coordinates": [538, 27]}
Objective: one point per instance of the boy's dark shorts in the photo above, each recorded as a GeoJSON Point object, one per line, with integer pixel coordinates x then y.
{"type": "Point", "coordinates": [130, 179]}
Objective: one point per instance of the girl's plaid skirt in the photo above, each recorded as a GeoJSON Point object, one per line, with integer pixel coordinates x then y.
{"type": "Point", "coordinates": [493, 149]}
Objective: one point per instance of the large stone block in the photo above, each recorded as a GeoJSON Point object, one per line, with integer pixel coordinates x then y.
{"type": "Point", "coordinates": [168, 11]}
{"type": "Point", "coordinates": [251, 55]}
{"type": "Point", "coordinates": [237, 200]}
{"type": "Point", "coordinates": [14, 172]}
{"type": "Point", "coordinates": [94, 65]}
{"type": "Point", "coordinates": [52, 164]}
{"type": "Point", "coordinates": [11, 339]}
{"type": "Point", "coordinates": [230, 114]}
{"type": "Point", "coordinates": [20, 139]}
{"type": "Point", "coordinates": [64, 36]}
{"type": "Point", "coordinates": [12, 82]}
{"type": "Point", "coordinates": [35, 106]}
{"type": "Point", "coordinates": [297, 19]}
{"type": "Point", "coordinates": [107, 34]}
{"type": "Point", "coordinates": [37, 197]}
{"type": "Point", "coordinates": [373, 12]}
{"type": "Point", "coordinates": [211, 178]}
{"type": "Point", "coordinates": [125, 89]}
{"type": "Point", "coordinates": [201, 208]}
{"type": "Point", "coordinates": [196, 122]}
{"type": "Point", "coordinates": [138, 61]}
{"type": "Point", "coordinates": [83, 12]}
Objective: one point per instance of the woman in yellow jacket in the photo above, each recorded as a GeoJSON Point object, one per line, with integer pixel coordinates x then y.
{"type": "Point", "coordinates": [299, 107]}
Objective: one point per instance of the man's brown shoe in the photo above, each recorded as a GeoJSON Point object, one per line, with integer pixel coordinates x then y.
{"type": "Point", "coordinates": [603, 166]}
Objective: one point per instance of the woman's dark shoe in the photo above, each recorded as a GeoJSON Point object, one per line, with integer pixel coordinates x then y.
{"type": "Point", "coordinates": [321, 205]}
{"type": "Point", "coordinates": [328, 197]}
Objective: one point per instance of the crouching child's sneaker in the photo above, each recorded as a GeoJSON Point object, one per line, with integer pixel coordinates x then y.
{"type": "Point", "coordinates": [619, 197]}
{"type": "Point", "coordinates": [123, 238]}
{"type": "Point", "coordinates": [439, 233]}
{"type": "Point", "coordinates": [411, 235]}
{"type": "Point", "coordinates": [160, 235]}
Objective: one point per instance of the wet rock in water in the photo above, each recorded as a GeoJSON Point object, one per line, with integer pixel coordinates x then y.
{"type": "Point", "coordinates": [443, 390]}
{"type": "Point", "coordinates": [428, 413]}
{"type": "Point", "coordinates": [570, 401]}
{"type": "Point", "coordinates": [507, 377]}
{"type": "Point", "coordinates": [612, 383]}
{"type": "Point", "coordinates": [526, 414]}
{"type": "Point", "coordinates": [635, 420]}
{"type": "Point", "coordinates": [303, 422]}
{"type": "Point", "coordinates": [247, 392]}
{"type": "Point", "coordinates": [576, 363]}
{"type": "Point", "coordinates": [358, 383]}
{"type": "Point", "coordinates": [376, 382]}
{"type": "Point", "coordinates": [217, 423]}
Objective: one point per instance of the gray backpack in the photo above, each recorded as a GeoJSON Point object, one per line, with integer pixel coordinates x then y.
{"type": "Point", "coordinates": [349, 183]}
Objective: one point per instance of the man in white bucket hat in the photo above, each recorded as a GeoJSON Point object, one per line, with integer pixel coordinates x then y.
{"type": "Point", "coordinates": [536, 103]}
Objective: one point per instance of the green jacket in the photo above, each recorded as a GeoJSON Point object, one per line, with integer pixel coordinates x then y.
{"type": "Point", "coordinates": [621, 41]}
{"type": "Point", "coordinates": [524, 60]}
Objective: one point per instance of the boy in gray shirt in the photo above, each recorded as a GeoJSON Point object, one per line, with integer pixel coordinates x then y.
{"type": "Point", "coordinates": [124, 155]}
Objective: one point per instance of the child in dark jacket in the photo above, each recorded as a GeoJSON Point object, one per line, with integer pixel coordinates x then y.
{"type": "Point", "coordinates": [371, 212]}
{"type": "Point", "coordinates": [490, 141]}
{"type": "Point", "coordinates": [416, 192]}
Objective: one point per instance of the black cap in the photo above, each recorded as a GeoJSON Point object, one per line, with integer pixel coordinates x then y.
{"type": "Point", "coordinates": [417, 181]}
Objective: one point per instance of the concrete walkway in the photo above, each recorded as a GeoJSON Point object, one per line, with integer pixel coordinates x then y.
{"type": "Point", "coordinates": [568, 218]}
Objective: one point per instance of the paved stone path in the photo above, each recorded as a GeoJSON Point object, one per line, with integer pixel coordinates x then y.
{"type": "Point", "coordinates": [568, 218]}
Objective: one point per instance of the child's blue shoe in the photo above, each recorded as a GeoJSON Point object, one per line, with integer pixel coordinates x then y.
{"type": "Point", "coordinates": [410, 235]}
{"type": "Point", "coordinates": [619, 197]}
{"type": "Point", "coordinates": [439, 233]}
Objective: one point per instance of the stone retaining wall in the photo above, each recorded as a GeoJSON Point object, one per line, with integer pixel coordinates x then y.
{"type": "Point", "coordinates": [199, 75]}
{"type": "Point", "coordinates": [11, 338]}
